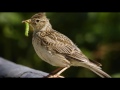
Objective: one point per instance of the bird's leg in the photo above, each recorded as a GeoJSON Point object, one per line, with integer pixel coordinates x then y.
{"type": "Point", "coordinates": [56, 73]}
{"type": "Point", "coordinates": [56, 70]}
{"type": "Point", "coordinates": [61, 71]}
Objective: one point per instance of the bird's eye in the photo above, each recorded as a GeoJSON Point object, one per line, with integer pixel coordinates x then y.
{"type": "Point", "coordinates": [37, 20]}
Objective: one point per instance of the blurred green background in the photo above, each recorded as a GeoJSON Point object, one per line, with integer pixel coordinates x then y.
{"type": "Point", "coordinates": [97, 34]}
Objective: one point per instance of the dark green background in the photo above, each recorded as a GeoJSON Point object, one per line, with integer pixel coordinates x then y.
{"type": "Point", "coordinates": [97, 34]}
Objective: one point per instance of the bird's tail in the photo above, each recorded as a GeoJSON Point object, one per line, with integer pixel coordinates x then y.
{"type": "Point", "coordinates": [100, 72]}
{"type": "Point", "coordinates": [91, 65]}
{"type": "Point", "coordinates": [97, 69]}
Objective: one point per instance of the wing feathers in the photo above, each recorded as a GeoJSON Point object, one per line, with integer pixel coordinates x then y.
{"type": "Point", "coordinates": [61, 44]}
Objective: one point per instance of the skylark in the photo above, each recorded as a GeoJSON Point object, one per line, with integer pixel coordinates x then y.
{"type": "Point", "coordinates": [57, 49]}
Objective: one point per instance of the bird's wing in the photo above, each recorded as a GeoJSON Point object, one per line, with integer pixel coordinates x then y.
{"type": "Point", "coordinates": [59, 43]}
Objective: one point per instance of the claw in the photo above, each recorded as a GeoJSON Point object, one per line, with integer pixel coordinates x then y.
{"type": "Point", "coordinates": [53, 76]}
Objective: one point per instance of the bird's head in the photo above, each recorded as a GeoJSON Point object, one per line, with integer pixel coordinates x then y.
{"type": "Point", "coordinates": [37, 21]}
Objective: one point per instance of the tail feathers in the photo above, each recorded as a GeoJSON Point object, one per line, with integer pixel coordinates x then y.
{"type": "Point", "coordinates": [99, 72]}
{"type": "Point", "coordinates": [95, 62]}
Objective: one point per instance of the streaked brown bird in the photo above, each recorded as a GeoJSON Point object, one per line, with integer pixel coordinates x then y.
{"type": "Point", "coordinates": [57, 49]}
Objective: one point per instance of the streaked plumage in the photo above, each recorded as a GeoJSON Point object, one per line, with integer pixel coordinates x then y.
{"type": "Point", "coordinates": [57, 49]}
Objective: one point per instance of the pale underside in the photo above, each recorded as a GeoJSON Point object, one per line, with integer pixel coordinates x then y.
{"type": "Point", "coordinates": [58, 50]}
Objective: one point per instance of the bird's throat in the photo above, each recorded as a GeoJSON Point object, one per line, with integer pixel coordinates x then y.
{"type": "Point", "coordinates": [47, 28]}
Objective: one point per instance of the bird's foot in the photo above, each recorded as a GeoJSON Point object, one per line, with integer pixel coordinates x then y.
{"type": "Point", "coordinates": [53, 76]}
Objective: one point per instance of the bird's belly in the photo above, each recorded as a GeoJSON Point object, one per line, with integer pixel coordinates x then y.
{"type": "Point", "coordinates": [47, 56]}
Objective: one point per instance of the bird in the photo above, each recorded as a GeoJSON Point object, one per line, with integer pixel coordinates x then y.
{"type": "Point", "coordinates": [57, 49]}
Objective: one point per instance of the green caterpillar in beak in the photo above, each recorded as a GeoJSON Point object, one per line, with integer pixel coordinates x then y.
{"type": "Point", "coordinates": [26, 29]}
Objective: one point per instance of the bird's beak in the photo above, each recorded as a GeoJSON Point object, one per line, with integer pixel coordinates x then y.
{"type": "Point", "coordinates": [27, 21]}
